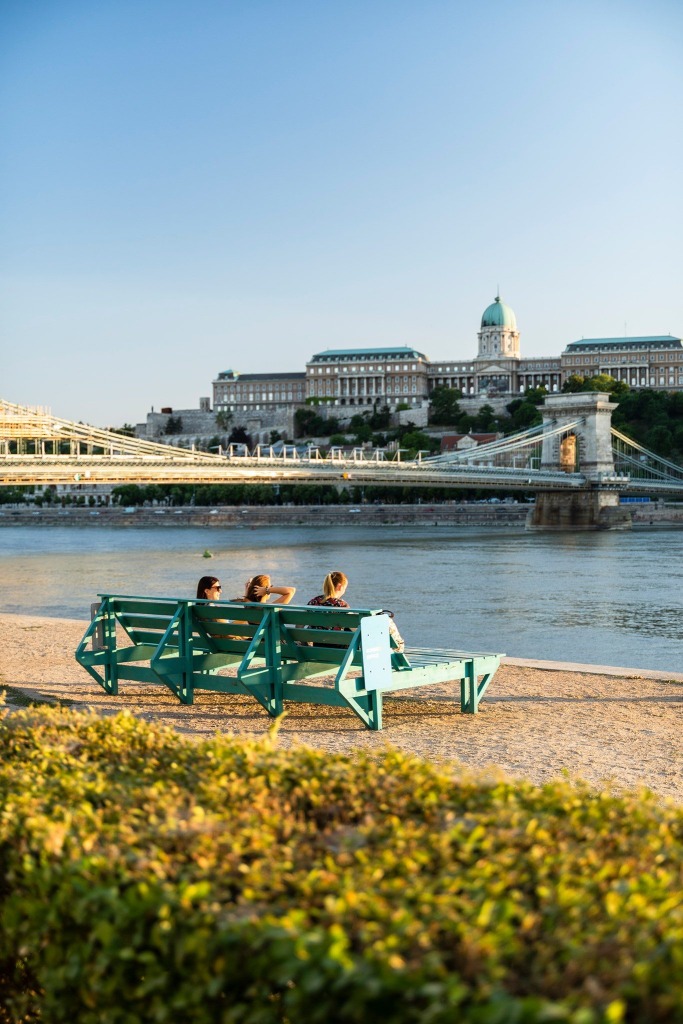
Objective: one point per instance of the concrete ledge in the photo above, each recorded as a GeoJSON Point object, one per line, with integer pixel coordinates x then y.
{"type": "Point", "coordinates": [597, 670]}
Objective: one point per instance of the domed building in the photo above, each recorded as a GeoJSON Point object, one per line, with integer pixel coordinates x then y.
{"type": "Point", "coordinates": [497, 359]}
{"type": "Point", "coordinates": [498, 372]}
{"type": "Point", "coordinates": [499, 368]}
{"type": "Point", "coordinates": [498, 337]}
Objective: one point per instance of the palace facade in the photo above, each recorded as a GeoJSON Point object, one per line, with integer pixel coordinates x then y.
{"type": "Point", "coordinates": [403, 377]}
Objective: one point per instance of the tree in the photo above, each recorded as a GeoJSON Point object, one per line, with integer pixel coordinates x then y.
{"type": "Point", "coordinates": [239, 435]}
{"type": "Point", "coordinates": [486, 419]}
{"type": "Point", "coordinates": [443, 406]}
{"type": "Point", "coordinates": [600, 382]}
{"type": "Point", "coordinates": [660, 440]}
{"type": "Point", "coordinates": [223, 420]}
{"type": "Point", "coordinates": [416, 440]}
{"type": "Point", "coordinates": [360, 425]}
{"type": "Point", "coordinates": [174, 425]}
{"type": "Point", "coordinates": [309, 423]}
{"type": "Point", "coordinates": [127, 494]}
{"type": "Point", "coordinates": [380, 418]}
{"type": "Point", "coordinates": [523, 413]}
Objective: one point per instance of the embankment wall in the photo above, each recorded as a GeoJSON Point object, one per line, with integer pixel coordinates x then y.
{"type": "Point", "coordinates": [460, 514]}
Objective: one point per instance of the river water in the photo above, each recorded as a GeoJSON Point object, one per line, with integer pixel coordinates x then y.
{"type": "Point", "coordinates": [601, 598]}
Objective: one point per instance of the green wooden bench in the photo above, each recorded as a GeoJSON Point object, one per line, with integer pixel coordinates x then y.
{"type": "Point", "coordinates": [326, 656]}
{"type": "Point", "coordinates": [306, 638]}
{"type": "Point", "coordinates": [164, 641]}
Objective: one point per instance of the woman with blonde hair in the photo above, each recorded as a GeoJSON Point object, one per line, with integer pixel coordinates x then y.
{"type": "Point", "coordinates": [334, 585]}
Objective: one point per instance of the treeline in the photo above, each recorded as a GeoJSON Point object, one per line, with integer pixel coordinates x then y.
{"type": "Point", "coordinates": [652, 418]}
{"type": "Point", "coordinates": [282, 494]}
{"type": "Point", "coordinates": [520, 413]}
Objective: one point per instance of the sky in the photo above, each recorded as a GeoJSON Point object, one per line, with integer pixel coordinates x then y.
{"type": "Point", "coordinates": [190, 187]}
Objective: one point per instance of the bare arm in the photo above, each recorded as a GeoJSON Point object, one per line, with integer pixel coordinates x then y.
{"type": "Point", "coordinates": [286, 593]}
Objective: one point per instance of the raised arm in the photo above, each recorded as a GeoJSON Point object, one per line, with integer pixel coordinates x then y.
{"type": "Point", "coordinates": [286, 593]}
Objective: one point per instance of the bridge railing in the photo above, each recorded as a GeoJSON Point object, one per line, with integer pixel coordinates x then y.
{"type": "Point", "coordinates": [641, 464]}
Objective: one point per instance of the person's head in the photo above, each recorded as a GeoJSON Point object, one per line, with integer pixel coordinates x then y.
{"type": "Point", "coordinates": [256, 581]}
{"type": "Point", "coordinates": [334, 584]}
{"type": "Point", "coordinates": [209, 588]}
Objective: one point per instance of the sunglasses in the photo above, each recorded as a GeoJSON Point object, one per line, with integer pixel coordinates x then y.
{"type": "Point", "coordinates": [216, 586]}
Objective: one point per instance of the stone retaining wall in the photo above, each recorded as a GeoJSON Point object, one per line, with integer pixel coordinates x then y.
{"type": "Point", "coordinates": [271, 515]}
{"type": "Point", "coordinates": [461, 514]}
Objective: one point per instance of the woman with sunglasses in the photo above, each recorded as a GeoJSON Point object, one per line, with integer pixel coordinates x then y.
{"type": "Point", "coordinates": [209, 589]}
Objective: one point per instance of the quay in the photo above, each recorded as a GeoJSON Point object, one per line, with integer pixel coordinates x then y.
{"type": "Point", "coordinates": [502, 514]}
{"type": "Point", "coordinates": [462, 514]}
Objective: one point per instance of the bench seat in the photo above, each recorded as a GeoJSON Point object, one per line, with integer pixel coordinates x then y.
{"type": "Point", "coordinates": [275, 653]}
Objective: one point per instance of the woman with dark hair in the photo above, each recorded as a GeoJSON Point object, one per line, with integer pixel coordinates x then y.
{"type": "Point", "coordinates": [209, 589]}
{"type": "Point", "coordinates": [259, 589]}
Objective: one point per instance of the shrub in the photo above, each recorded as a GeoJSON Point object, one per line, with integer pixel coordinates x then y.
{"type": "Point", "coordinates": [146, 877]}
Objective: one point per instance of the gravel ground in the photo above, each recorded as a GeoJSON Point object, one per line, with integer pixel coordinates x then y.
{"type": "Point", "coordinates": [622, 730]}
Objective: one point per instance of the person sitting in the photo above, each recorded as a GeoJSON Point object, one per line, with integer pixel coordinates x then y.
{"type": "Point", "coordinates": [209, 589]}
{"type": "Point", "coordinates": [259, 589]}
{"type": "Point", "coordinates": [399, 642]}
{"type": "Point", "coordinates": [334, 586]}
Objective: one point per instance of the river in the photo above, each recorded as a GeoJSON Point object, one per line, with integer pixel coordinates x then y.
{"type": "Point", "coordinates": [601, 598]}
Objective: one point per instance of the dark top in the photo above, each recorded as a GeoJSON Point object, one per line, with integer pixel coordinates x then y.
{"type": "Point", "coordinates": [329, 602]}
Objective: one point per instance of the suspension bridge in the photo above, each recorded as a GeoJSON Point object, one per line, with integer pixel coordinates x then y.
{"type": "Point", "coordinates": [574, 451]}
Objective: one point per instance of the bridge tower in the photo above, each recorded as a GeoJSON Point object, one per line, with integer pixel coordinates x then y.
{"type": "Point", "coordinates": [585, 448]}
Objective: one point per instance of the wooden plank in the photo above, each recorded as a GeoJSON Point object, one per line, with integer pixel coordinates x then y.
{"type": "Point", "coordinates": [328, 654]}
{"type": "Point", "coordinates": [146, 636]}
{"type": "Point", "coordinates": [138, 674]}
{"type": "Point", "coordinates": [324, 618]}
{"type": "Point", "coordinates": [303, 694]}
{"type": "Point", "coordinates": [130, 620]}
{"type": "Point", "coordinates": [142, 606]}
{"type": "Point", "coordinates": [339, 637]}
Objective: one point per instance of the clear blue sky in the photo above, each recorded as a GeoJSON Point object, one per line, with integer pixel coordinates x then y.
{"type": "Point", "coordinates": [191, 187]}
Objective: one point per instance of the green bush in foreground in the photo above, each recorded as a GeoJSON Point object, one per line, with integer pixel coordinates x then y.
{"type": "Point", "coordinates": [145, 877]}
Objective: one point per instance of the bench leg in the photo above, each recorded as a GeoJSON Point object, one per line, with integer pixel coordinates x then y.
{"type": "Point", "coordinates": [367, 705]}
{"type": "Point", "coordinates": [472, 688]}
{"type": "Point", "coordinates": [469, 697]}
{"type": "Point", "coordinates": [111, 678]}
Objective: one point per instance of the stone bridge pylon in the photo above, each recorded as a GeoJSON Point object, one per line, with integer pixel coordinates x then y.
{"type": "Point", "coordinates": [586, 449]}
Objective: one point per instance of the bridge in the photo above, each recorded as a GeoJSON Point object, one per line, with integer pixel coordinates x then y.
{"type": "Point", "coordinates": [575, 461]}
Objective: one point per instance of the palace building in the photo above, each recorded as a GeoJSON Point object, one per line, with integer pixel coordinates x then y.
{"type": "Point", "coordinates": [256, 392]}
{"type": "Point", "coordinates": [403, 377]}
{"type": "Point", "coordinates": [366, 376]}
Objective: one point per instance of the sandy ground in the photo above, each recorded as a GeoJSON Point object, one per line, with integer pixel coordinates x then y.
{"type": "Point", "coordinates": [536, 722]}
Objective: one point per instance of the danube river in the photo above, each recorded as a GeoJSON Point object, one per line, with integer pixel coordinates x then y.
{"type": "Point", "coordinates": [601, 598]}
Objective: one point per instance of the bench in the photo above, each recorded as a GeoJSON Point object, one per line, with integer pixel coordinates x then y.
{"type": "Point", "coordinates": [162, 641]}
{"type": "Point", "coordinates": [279, 653]}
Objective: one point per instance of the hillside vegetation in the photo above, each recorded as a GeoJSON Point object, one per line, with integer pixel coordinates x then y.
{"type": "Point", "coordinates": [146, 877]}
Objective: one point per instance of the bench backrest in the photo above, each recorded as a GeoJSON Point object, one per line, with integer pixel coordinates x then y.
{"type": "Point", "coordinates": [320, 634]}
{"type": "Point", "coordinates": [302, 633]}
{"type": "Point", "coordinates": [229, 627]}
{"type": "Point", "coordinates": [144, 619]}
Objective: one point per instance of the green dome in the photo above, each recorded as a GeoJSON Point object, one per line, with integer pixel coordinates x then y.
{"type": "Point", "coordinates": [499, 315]}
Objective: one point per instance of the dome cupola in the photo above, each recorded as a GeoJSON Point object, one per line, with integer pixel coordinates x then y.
{"type": "Point", "coordinates": [498, 334]}
{"type": "Point", "coordinates": [499, 315]}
